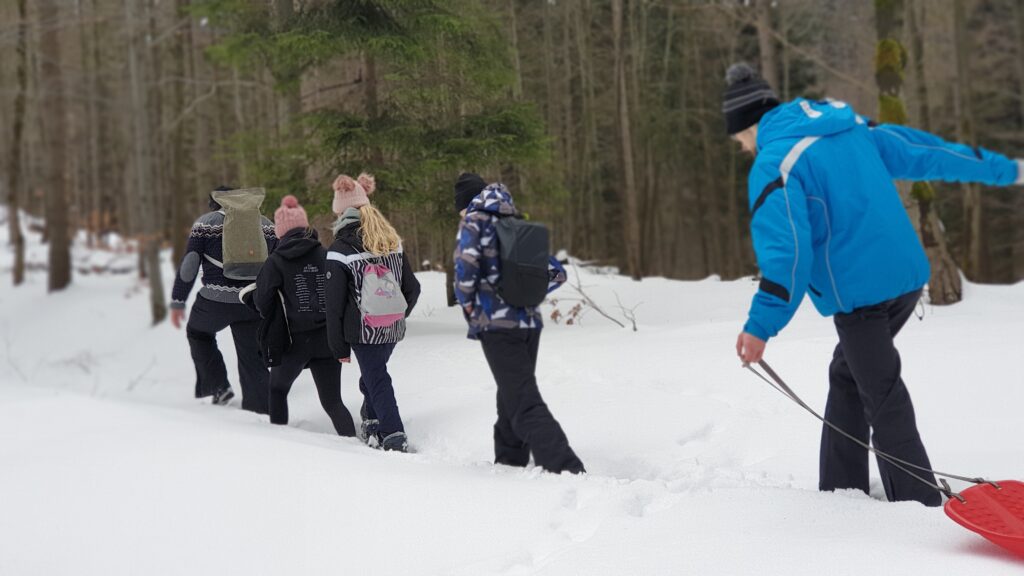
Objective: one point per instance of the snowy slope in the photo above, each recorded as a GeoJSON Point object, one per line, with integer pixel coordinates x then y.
{"type": "Point", "coordinates": [108, 466]}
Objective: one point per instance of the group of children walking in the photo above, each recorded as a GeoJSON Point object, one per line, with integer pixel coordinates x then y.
{"type": "Point", "coordinates": [315, 308]}
{"type": "Point", "coordinates": [826, 221]}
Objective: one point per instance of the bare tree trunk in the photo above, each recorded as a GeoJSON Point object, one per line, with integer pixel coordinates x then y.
{"type": "Point", "coordinates": [224, 171]}
{"type": "Point", "coordinates": [371, 82]}
{"type": "Point", "coordinates": [629, 191]}
{"type": "Point", "coordinates": [572, 180]}
{"type": "Point", "coordinates": [107, 156]}
{"type": "Point", "coordinates": [786, 18]}
{"type": "Point", "coordinates": [944, 287]}
{"type": "Point", "coordinates": [551, 115]}
{"type": "Point", "coordinates": [766, 44]}
{"type": "Point", "coordinates": [594, 241]}
{"type": "Point", "coordinates": [17, 141]}
{"type": "Point", "coordinates": [290, 103]}
{"type": "Point", "coordinates": [697, 211]}
{"type": "Point", "coordinates": [707, 200]}
{"type": "Point", "coordinates": [201, 131]}
{"type": "Point", "coordinates": [914, 23]}
{"type": "Point", "coordinates": [91, 64]}
{"type": "Point", "coordinates": [289, 106]}
{"type": "Point", "coordinates": [643, 101]}
{"type": "Point", "coordinates": [974, 250]}
{"type": "Point", "coordinates": [182, 188]}
{"type": "Point", "coordinates": [87, 204]}
{"type": "Point", "coordinates": [734, 251]}
{"type": "Point", "coordinates": [55, 121]}
{"type": "Point", "coordinates": [517, 84]}
{"type": "Point", "coordinates": [239, 114]}
{"type": "Point", "coordinates": [150, 236]}
{"type": "Point", "coordinates": [76, 146]}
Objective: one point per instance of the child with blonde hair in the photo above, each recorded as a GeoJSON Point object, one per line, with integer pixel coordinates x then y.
{"type": "Point", "coordinates": [371, 290]}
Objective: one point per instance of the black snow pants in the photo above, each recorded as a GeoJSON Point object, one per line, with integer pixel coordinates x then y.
{"type": "Point", "coordinates": [310, 350]}
{"type": "Point", "coordinates": [205, 321]}
{"type": "Point", "coordinates": [866, 397]}
{"type": "Point", "coordinates": [524, 422]}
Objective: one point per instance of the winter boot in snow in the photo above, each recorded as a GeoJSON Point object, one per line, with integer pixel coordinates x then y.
{"type": "Point", "coordinates": [369, 428]}
{"type": "Point", "coordinates": [369, 432]}
{"type": "Point", "coordinates": [223, 396]}
{"type": "Point", "coordinates": [396, 441]}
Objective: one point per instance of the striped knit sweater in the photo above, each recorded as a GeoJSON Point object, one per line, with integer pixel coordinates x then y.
{"type": "Point", "coordinates": [205, 249]}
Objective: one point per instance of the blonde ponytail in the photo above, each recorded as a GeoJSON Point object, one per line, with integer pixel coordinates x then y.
{"type": "Point", "coordinates": [379, 236]}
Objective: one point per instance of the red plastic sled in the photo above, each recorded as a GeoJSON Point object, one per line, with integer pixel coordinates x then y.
{"type": "Point", "coordinates": [995, 513]}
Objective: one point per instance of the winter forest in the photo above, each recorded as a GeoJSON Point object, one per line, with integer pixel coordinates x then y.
{"type": "Point", "coordinates": [604, 120]}
{"type": "Point", "coordinates": [604, 116]}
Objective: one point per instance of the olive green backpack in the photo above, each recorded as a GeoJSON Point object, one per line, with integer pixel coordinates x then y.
{"type": "Point", "coordinates": [245, 247]}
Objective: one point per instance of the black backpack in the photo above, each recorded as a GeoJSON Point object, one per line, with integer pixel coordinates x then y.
{"type": "Point", "coordinates": [524, 252]}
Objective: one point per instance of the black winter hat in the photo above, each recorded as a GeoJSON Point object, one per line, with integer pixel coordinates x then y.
{"type": "Point", "coordinates": [747, 98]}
{"type": "Point", "coordinates": [467, 187]}
{"type": "Point", "coordinates": [214, 205]}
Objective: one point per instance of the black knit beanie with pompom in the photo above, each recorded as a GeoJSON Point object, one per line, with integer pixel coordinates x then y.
{"type": "Point", "coordinates": [747, 98]}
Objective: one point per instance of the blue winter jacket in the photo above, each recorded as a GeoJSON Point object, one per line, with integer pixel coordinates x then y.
{"type": "Point", "coordinates": [826, 218]}
{"type": "Point", "coordinates": [478, 268]}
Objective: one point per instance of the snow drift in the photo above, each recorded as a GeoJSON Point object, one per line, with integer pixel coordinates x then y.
{"type": "Point", "coordinates": [110, 467]}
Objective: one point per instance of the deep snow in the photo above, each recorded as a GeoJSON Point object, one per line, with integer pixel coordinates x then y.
{"type": "Point", "coordinates": [108, 466]}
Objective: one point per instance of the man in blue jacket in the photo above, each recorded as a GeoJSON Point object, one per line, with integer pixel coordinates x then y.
{"type": "Point", "coordinates": [827, 220]}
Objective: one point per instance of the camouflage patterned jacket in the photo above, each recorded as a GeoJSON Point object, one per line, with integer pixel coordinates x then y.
{"type": "Point", "coordinates": [478, 268]}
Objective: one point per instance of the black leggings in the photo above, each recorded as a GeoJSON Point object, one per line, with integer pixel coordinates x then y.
{"type": "Point", "coordinates": [310, 350]}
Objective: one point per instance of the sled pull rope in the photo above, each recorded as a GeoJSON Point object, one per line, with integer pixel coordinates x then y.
{"type": "Point", "coordinates": [947, 491]}
{"type": "Point", "coordinates": [780, 385]}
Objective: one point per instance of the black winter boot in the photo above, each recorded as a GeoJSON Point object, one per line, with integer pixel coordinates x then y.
{"type": "Point", "coordinates": [395, 442]}
{"type": "Point", "coordinates": [223, 396]}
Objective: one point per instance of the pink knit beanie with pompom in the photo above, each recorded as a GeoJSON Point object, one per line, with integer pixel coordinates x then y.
{"type": "Point", "coordinates": [349, 193]}
{"type": "Point", "coordinates": [289, 216]}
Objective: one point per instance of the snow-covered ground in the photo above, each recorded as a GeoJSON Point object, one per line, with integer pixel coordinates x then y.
{"type": "Point", "coordinates": [109, 466]}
